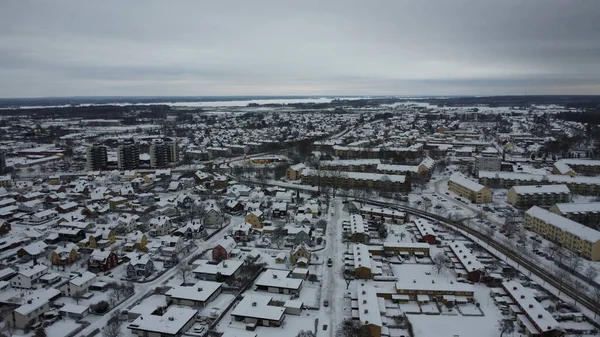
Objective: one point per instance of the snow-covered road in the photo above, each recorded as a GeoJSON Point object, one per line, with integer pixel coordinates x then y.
{"type": "Point", "coordinates": [141, 289]}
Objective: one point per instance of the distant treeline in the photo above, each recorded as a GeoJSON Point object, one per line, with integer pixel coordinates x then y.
{"type": "Point", "coordinates": [589, 116]}
{"type": "Point", "coordinates": [90, 112]}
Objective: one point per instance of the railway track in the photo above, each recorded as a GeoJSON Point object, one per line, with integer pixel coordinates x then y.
{"type": "Point", "coordinates": [565, 287]}
{"type": "Point", "coordinates": [582, 298]}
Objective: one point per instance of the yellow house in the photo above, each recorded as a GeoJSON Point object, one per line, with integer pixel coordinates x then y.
{"type": "Point", "coordinates": [469, 189]}
{"type": "Point", "coordinates": [300, 255]}
{"type": "Point", "coordinates": [255, 219]}
{"type": "Point", "coordinates": [102, 238]}
{"type": "Point", "coordinates": [136, 241]}
{"type": "Point", "coordinates": [115, 202]}
{"type": "Point", "coordinates": [65, 254]}
{"type": "Point", "coordinates": [570, 234]}
{"type": "Point", "coordinates": [293, 172]}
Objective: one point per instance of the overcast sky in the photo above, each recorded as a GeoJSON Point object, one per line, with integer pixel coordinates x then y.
{"type": "Point", "coordinates": [280, 47]}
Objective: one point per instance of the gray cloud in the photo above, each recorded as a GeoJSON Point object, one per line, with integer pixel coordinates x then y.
{"type": "Point", "coordinates": [270, 47]}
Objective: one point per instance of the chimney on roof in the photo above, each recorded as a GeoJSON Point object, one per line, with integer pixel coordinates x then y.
{"type": "Point", "coordinates": [531, 306]}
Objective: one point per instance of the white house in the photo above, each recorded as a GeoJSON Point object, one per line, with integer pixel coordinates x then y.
{"type": "Point", "coordinates": [80, 284]}
{"type": "Point", "coordinates": [28, 277]}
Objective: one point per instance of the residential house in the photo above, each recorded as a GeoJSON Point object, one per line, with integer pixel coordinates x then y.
{"type": "Point", "coordinates": [140, 266]}
{"type": "Point", "coordinates": [28, 277]}
{"type": "Point", "coordinates": [193, 229]}
{"type": "Point", "coordinates": [222, 251]}
{"type": "Point", "coordinates": [213, 217]}
{"type": "Point", "coordinates": [173, 323]}
{"type": "Point", "coordinates": [241, 232]}
{"type": "Point", "coordinates": [300, 235]}
{"type": "Point", "coordinates": [171, 245]}
{"type": "Point", "coordinates": [102, 260]}
{"type": "Point", "coordinates": [136, 241]}
{"type": "Point", "coordinates": [280, 209]}
{"type": "Point", "coordinates": [160, 226]}
{"type": "Point", "coordinates": [33, 250]}
{"type": "Point", "coordinates": [256, 310]}
{"type": "Point", "coordinates": [234, 206]}
{"type": "Point", "coordinates": [278, 281]}
{"type": "Point", "coordinates": [79, 284]}
{"type": "Point", "coordinates": [64, 254]}
{"type": "Point", "coordinates": [255, 218]}
{"type": "Point", "coordinates": [33, 308]}
{"type": "Point", "coordinates": [198, 295]}
{"type": "Point", "coordinates": [220, 272]}
{"type": "Point", "coordinates": [300, 255]}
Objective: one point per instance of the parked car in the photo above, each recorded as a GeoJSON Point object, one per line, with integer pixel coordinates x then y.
{"type": "Point", "coordinates": [326, 303]}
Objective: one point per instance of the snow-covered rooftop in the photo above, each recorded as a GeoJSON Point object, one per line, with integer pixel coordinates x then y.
{"type": "Point", "coordinates": [564, 224]}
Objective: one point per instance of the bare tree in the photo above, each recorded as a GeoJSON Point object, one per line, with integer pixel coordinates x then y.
{"type": "Point", "coordinates": [510, 226]}
{"type": "Point", "coordinates": [278, 235]}
{"type": "Point", "coordinates": [563, 277]}
{"type": "Point", "coordinates": [77, 296]}
{"type": "Point", "coordinates": [591, 273]}
{"type": "Point", "coordinates": [581, 288]}
{"type": "Point", "coordinates": [322, 224]}
{"type": "Point", "coordinates": [535, 245]}
{"type": "Point", "coordinates": [402, 236]}
{"type": "Point", "coordinates": [40, 332]}
{"type": "Point", "coordinates": [441, 262]}
{"type": "Point", "coordinates": [574, 261]}
{"type": "Point", "coordinates": [305, 333]}
{"type": "Point", "coordinates": [551, 249]}
{"type": "Point", "coordinates": [560, 254]}
{"type": "Point", "coordinates": [427, 204]}
{"type": "Point", "coordinates": [184, 271]}
{"type": "Point", "coordinates": [351, 328]}
{"type": "Point", "coordinates": [506, 326]}
{"type": "Point", "coordinates": [490, 231]}
{"type": "Point", "coordinates": [112, 330]}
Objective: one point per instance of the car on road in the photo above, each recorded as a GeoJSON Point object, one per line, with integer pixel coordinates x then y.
{"type": "Point", "coordinates": [326, 303]}
{"type": "Point", "coordinates": [329, 262]}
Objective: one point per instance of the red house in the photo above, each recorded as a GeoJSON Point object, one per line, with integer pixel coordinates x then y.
{"type": "Point", "coordinates": [426, 232]}
{"type": "Point", "coordinates": [102, 260]}
{"type": "Point", "coordinates": [222, 250]}
{"type": "Point", "coordinates": [241, 232]}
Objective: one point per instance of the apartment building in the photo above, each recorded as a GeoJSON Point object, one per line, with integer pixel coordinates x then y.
{"type": "Point", "coordinates": [350, 165]}
{"type": "Point", "coordinates": [587, 213]}
{"type": "Point", "coordinates": [483, 163]}
{"type": "Point", "coordinates": [575, 166]}
{"type": "Point", "coordinates": [163, 152]}
{"type": "Point", "coordinates": [128, 155]}
{"type": "Point", "coordinates": [469, 189]}
{"type": "Point", "coordinates": [531, 315]}
{"type": "Point", "coordinates": [293, 172]}
{"type": "Point", "coordinates": [97, 157]}
{"type": "Point", "coordinates": [570, 234]}
{"type": "Point", "coordinates": [466, 263]}
{"type": "Point", "coordinates": [368, 310]}
{"type": "Point", "coordinates": [357, 180]}
{"type": "Point", "coordinates": [577, 184]}
{"type": "Point", "coordinates": [538, 195]}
